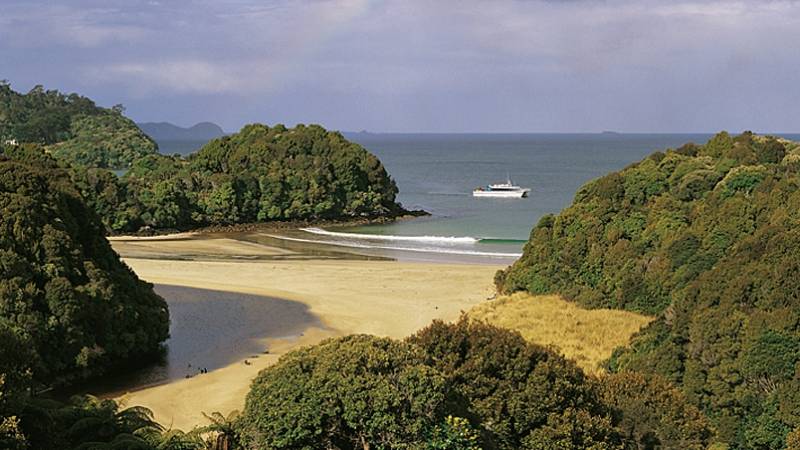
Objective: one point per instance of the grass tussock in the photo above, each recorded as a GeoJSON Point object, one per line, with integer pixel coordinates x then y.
{"type": "Point", "coordinates": [587, 336]}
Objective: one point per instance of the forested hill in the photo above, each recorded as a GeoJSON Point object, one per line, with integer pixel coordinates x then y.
{"type": "Point", "coordinates": [258, 174]}
{"type": "Point", "coordinates": [165, 131]}
{"type": "Point", "coordinates": [70, 306]}
{"type": "Point", "coordinates": [707, 236]}
{"type": "Point", "coordinates": [72, 128]}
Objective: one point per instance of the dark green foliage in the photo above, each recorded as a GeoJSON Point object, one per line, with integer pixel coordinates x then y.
{"type": "Point", "coordinates": [354, 392]}
{"type": "Point", "coordinates": [523, 396]}
{"type": "Point", "coordinates": [634, 237]}
{"type": "Point", "coordinates": [654, 414]}
{"type": "Point", "coordinates": [90, 423]}
{"type": "Point", "coordinates": [259, 174]}
{"type": "Point", "coordinates": [455, 433]}
{"type": "Point", "coordinates": [105, 140]}
{"type": "Point", "coordinates": [63, 290]}
{"type": "Point", "coordinates": [451, 386]}
{"type": "Point", "coordinates": [72, 127]}
{"type": "Point", "coordinates": [15, 377]}
{"type": "Point", "coordinates": [714, 252]}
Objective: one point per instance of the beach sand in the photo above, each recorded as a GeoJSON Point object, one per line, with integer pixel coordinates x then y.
{"type": "Point", "coordinates": [385, 298]}
{"type": "Point", "coordinates": [188, 246]}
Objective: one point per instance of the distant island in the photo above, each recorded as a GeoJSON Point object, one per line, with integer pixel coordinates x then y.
{"type": "Point", "coordinates": [165, 131]}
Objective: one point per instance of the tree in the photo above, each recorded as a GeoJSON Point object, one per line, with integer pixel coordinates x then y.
{"type": "Point", "coordinates": [62, 288]}
{"type": "Point", "coordinates": [353, 392]}
{"type": "Point", "coordinates": [513, 389]}
{"type": "Point", "coordinates": [654, 414]}
{"type": "Point", "coordinates": [223, 430]}
{"type": "Point", "coordinates": [705, 238]}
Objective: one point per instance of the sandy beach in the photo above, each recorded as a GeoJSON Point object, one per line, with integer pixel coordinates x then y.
{"type": "Point", "coordinates": [386, 298]}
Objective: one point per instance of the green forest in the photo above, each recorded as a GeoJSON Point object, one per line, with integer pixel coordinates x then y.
{"type": "Point", "coordinates": [72, 128]}
{"type": "Point", "coordinates": [259, 174]}
{"type": "Point", "coordinates": [706, 237]}
{"type": "Point", "coordinates": [72, 310]}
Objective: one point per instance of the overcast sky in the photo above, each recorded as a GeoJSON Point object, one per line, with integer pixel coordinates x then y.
{"type": "Point", "coordinates": [419, 65]}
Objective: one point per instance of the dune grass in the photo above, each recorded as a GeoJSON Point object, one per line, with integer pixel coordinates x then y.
{"type": "Point", "coordinates": [587, 336]}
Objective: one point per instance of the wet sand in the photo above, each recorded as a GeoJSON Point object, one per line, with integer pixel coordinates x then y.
{"type": "Point", "coordinates": [386, 298]}
{"type": "Point", "coordinates": [193, 247]}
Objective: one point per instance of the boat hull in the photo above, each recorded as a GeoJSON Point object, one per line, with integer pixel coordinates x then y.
{"type": "Point", "coordinates": [500, 194]}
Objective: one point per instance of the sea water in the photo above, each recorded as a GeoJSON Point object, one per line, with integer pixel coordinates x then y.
{"type": "Point", "coordinates": [437, 173]}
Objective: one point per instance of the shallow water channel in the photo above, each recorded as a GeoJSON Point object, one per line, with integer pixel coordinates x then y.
{"type": "Point", "coordinates": [212, 329]}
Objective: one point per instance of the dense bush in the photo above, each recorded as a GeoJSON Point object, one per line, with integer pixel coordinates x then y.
{"type": "Point", "coordinates": [72, 127]}
{"type": "Point", "coordinates": [256, 175]}
{"type": "Point", "coordinates": [259, 174]}
{"type": "Point", "coordinates": [707, 237]}
{"type": "Point", "coordinates": [75, 308]}
{"type": "Point", "coordinates": [451, 386]}
{"type": "Point", "coordinates": [354, 392]}
{"type": "Point", "coordinates": [106, 140]}
{"type": "Point", "coordinates": [652, 413]}
{"type": "Point", "coordinates": [522, 395]}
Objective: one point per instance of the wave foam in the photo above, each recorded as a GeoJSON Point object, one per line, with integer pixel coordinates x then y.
{"type": "Point", "coordinates": [404, 249]}
{"type": "Point", "coordinates": [389, 237]}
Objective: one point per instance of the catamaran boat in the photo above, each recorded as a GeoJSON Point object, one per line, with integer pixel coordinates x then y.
{"type": "Point", "coordinates": [502, 190]}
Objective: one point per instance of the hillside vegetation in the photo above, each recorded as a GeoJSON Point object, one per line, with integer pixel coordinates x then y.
{"type": "Point", "coordinates": [459, 386]}
{"type": "Point", "coordinates": [74, 308]}
{"type": "Point", "coordinates": [165, 131]}
{"type": "Point", "coordinates": [72, 127]}
{"type": "Point", "coordinates": [707, 237]}
{"type": "Point", "coordinates": [259, 174]}
{"type": "Point", "coordinates": [587, 336]}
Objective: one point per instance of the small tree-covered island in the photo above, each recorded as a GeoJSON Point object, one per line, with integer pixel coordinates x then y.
{"type": "Point", "coordinates": [259, 174]}
{"type": "Point", "coordinates": [704, 238]}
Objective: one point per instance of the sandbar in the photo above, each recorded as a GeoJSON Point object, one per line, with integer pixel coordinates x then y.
{"type": "Point", "coordinates": [384, 298]}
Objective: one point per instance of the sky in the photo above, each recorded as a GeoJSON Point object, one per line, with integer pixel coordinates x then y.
{"type": "Point", "coordinates": [419, 65]}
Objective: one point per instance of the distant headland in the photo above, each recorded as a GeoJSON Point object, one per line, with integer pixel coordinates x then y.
{"type": "Point", "coordinates": [165, 131]}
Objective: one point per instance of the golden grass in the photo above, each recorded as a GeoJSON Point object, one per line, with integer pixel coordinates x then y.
{"type": "Point", "coordinates": [587, 336]}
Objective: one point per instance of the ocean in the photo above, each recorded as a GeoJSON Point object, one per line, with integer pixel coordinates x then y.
{"type": "Point", "coordinates": [437, 173]}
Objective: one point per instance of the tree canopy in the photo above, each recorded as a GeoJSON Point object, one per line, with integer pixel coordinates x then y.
{"type": "Point", "coordinates": [354, 392]}
{"type": "Point", "coordinates": [524, 396]}
{"type": "Point", "coordinates": [259, 174]}
{"type": "Point", "coordinates": [706, 236]}
{"type": "Point", "coordinates": [72, 127]}
{"type": "Point", "coordinates": [462, 386]}
{"type": "Point", "coordinates": [76, 309]}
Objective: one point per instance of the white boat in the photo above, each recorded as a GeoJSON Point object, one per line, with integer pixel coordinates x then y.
{"type": "Point", "coordinates": [501, 190]}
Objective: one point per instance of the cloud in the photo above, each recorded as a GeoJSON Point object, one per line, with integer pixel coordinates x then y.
{"type": "Point", "coordinates": [190, 76]}
{"type": "Point", "coordinates": [30, 25]}
{"type": "Point", "coordinates": [506, 64]}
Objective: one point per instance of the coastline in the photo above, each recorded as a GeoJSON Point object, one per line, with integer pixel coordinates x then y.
{"type": "Point", "coordinates": [346, 294]}
{"type": "Point", "coordinates": [272, 226]}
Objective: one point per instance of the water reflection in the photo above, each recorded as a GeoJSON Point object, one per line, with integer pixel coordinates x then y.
{"type": "Point", "coordinates": [212, 329]}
